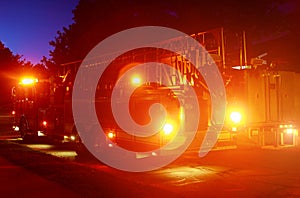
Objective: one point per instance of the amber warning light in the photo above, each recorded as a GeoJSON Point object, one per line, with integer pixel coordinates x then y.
{"type": "Point", "coordinates": [28, 81]}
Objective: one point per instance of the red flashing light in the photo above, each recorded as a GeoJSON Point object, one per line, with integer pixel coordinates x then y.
{"type": "Point", "coordinates": [44, 123]}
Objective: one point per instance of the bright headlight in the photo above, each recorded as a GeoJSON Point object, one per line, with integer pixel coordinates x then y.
{"type": "Point", "coordinates": [28, 81]}
{"type": "Point", "coordinates": [136, 80]}
{"type": "Point", "coordinates": [236, 117]}
{"type": "Point", "coordinates": [111, 135]}
{"type": "Point", "coordinates": [168, 128]}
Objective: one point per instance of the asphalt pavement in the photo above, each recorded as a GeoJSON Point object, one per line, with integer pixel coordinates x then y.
{"type": "Point", "coordinates": [239, 172]}
{"type": "Point", "coordinates": [16, 181]}
{"type": "Point", "coordinates": [225, 173]}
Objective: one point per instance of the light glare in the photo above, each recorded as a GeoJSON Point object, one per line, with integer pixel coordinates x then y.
{"type": "Point", "coordinates": [28, 81]}
{"type": "Point", "coordinates": [236, 117]}
{"type": "Point", "coordinates": [168, 128]}
{"type": "Point", "coordinates": [111, 135]}
{"type": "Point", "coordinates": [136, 80]}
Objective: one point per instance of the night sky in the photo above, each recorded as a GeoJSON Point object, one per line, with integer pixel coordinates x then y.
{"type": "Point", "coordinates": [26, 27]}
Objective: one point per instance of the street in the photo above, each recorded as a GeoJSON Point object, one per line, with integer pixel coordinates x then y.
{"type": "Point", "coordinates": [241, 172]}
{"type": "Point", "coordinates": [149, 99]}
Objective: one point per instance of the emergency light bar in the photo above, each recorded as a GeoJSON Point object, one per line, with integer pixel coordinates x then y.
{"type": "Point", "coordinates": [28, 81]}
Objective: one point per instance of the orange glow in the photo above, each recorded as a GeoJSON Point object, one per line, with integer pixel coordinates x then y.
{"type": "Point", "coordinates": [111, 135]}
{"type": "Point", "coordinates": [236, 117]}
{"type": "Point", "coordinates": [28, 81]}
{"type": "Point", "coordinates": [136, 80]}
{"type": "Point", "coordinates": [168, 128]}
{"type": "Point", "coordinates": [72, 137]}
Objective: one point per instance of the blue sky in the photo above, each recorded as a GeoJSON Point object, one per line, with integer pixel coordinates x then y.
{"type": "Point", "coordinates": [27, 26]}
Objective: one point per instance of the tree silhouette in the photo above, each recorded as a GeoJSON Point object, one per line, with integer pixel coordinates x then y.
{"type": "Point", "coordinates": [8, 65]}
{"type": "Point", "coordinates": [12, 67]}
{"type": "Point", "coordinates": [96, 20]}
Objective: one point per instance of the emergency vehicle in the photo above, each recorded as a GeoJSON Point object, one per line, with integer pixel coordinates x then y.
{"type": "Point", "coordinates": [39, 108]}
{"type": "Point", "coordinates": [262, 104]}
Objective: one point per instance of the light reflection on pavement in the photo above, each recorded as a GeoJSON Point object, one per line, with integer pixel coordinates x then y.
{"type": "Point", "coordinates": [234, 172]}
{"type": "Point", "coordinates": [185, 175]}
{"type": "Point", "coordinates": [53, 150]}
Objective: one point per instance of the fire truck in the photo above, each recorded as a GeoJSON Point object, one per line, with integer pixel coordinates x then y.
{"type": "Point", "coordinates": [39, 109]}
{"type": "Point", "coordinates": [262, 104]}
{"type": "Point", "coordinates": [269, 102]}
